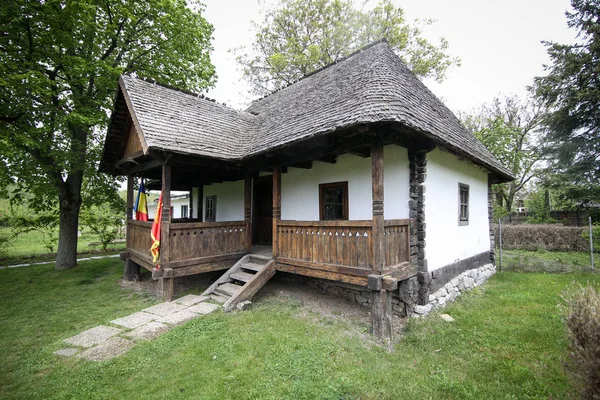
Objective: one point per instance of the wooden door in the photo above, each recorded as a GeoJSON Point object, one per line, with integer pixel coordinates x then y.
{"type": "Point", "coordinates": [262, 213]}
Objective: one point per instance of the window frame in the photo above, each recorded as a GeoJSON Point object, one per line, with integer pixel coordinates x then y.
{"type": "Point", "coordinates": [208, 217]}
{"type": "Point", "coordinates": [334, 185]}
{"type": "Point", "coordinates": [187, 211]}
{"type": "Point", "coordinates": [463, 221]}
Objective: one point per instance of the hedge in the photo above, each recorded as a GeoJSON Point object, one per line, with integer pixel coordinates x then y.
{"type": "Point", "coordinates": [546, 237]}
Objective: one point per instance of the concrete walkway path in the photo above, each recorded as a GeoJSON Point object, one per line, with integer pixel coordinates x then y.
{"type": "Point", "coordinates": [106, 342]}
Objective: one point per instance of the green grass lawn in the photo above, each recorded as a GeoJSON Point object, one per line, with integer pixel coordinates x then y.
{"type": "Point", "coordinates": [30, 247]}
{"type": "Point", "coordinates": [508, 341]}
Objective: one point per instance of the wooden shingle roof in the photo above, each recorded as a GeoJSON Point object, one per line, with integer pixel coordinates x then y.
{"type": "Point", "coordinates": [370, 86]}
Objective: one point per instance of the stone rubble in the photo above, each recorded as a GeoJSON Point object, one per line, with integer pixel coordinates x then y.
{"type": "Point", "coordinates": [451, 290]}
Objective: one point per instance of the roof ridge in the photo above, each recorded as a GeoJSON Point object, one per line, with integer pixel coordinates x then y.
{"type": "Point", "coordinates": [316, 71]}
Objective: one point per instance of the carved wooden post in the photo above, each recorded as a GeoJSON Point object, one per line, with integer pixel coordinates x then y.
{"type": "Point", "coordinates": [378, 222]}
{"type": "Point", "coordinates": [131, 272]}
{"type": "Point", "coordinates": [381, 312]}
{"type": "Point", "coordinates": [191, 212]}
{"type": "Point", "coordinates": [166, 282]}
{"type": "Point", "coordinates": [276, 208]}
{"type": "Point", "coordinates": [248, 212]}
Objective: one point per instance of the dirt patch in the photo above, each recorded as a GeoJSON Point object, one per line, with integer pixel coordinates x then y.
{"type": "Point", "coordinates": [194, 284]}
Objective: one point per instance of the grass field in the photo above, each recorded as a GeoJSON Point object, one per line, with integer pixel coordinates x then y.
{"type": "Point", "coordinates": [30, 247]}
{"type": "Point", "coordinates": [545, 261]}
{"type": "Point", "coordinates": [508, 341]}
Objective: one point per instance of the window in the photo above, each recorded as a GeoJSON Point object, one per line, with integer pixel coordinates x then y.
{"type": "Point", "coordinates": [211, 208]}
{"type": "Point", "coordinates": [463, 199]}
{"type": "Point", "coordinates": [184, 211]}
{"type": "Point", "coordinates": [333, 201]}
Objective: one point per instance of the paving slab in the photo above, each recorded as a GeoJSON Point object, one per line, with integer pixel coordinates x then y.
{"type": "Point", "coordinates": [134, 320]}
{"type": "Point", "coordinates": [203, 308]}
{"type": "Point", "coordinates": [178, 317]}
{"type": "Point", "coordinates": [93, 336]}
{"type": "Point", "coordinates": [191, 299]}
{"type": "Point", "coordinates": [107, 350]}
{"type": "Point", "coordinates": [68, 352]}
{"type": "Point", "coordinates": [164, 309]}
{"type": "Point", "coordinates": [148, 331]}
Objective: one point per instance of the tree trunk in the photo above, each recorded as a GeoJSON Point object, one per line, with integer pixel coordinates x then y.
{"type": "Point", "coordinates": [66, 254]}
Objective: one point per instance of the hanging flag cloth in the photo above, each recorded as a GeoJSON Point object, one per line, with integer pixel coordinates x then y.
{"type": "Point", "coordinates": [140, 210]}
{"type": "Point", "coordinates": [155, 233]}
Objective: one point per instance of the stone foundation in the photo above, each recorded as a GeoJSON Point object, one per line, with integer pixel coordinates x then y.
{"type": "Point", "coordinates": [451, 290]}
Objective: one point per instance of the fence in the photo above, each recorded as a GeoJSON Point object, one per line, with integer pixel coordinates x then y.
{"type": "Point", "coordinates": [549, 248]}
{"type": "Point", "coordinates": [568, 218]}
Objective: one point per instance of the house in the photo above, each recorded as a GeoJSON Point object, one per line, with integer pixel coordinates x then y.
{"type": "Point", "coordinates": [180, 206]}
{"type": "Point", "coordinates": [356, 175]}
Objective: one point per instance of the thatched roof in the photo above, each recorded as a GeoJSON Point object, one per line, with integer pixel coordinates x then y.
{"type": "Point", "coordinates": [370, 86]}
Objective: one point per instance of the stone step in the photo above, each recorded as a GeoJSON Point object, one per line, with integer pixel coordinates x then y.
{"type": "Point", "coordinates": [228, 289]}
{"type": "Point", "coordinates": [241, 276]}
{"type": "Point", "coordinates": [252, 266]}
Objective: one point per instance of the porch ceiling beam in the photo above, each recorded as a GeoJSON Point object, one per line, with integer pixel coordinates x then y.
{"type": "Point", "coordinates": [136, 169]}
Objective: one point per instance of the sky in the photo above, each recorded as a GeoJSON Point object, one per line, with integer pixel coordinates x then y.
{"type": "Point", "coordinates": [498, 42]}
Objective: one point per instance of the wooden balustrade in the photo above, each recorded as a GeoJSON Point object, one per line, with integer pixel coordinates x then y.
{"type": "Point", "coordinates": [198, 242]}
{"type": "Point", "coordinates": [139, 241]}
{"type": "Point", "coordinates": [397, 242]}
{"type": "Point", "coordinates": [343, 243]}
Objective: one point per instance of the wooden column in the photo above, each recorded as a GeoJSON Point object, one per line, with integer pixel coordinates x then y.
{"type": "Point", "coordinates": [378, 222]}
{"type": "Point", "coordinates": [131, 271]}
{"type": "Point", "coordinates": [248, 211]}
{"type": "Point", "coordinates": [381, 312]}
{"type": "Point", "coordinates": [191, 211]}
{"type": "Point", "coordinates": [199, 203]}
{"type": "Point", "coordinates": [276, 208]}
{"type": "Point", "coordinates": [166, 283]}
{"type": "Point", "coordinates": [130, 197]}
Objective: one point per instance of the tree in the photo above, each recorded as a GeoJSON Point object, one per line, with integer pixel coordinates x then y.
{"type": "Point", "coordinates": [298, 37]}
{"type": "Point", "coordinates": [58, 75]}
{"type": "Point", "coordinates": [104, 221]}
{"type": "Point", "coordinates": [570, 90]}
{"type": "Point", "coordinates": [510, 128]}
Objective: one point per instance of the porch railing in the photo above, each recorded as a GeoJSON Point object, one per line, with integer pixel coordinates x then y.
{"type": "Point", "coordinates": [189, 243]}
{"type": "Point", "coordinates": [342, 243]}
{"type": "Point", "coordinates": [396, 241]}
{"type": "Point", "coordinates": [139, 240]}
{"type": "Point", "coordinates": [201, 241]}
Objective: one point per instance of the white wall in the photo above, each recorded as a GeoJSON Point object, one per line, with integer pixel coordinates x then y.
{"type": "Point", "coordinates": [230, 200]}
{"type": "Point", "coordinates": [446, 241]}
{"type": "Point", "coordinates": [300, 187]}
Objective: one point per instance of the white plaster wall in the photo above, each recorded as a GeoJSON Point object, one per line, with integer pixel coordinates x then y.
{"type": "Point", "coordinates": [396, 176]}
{"type": "Point", "coordinates": [230, 200]}
{"type": "Point", "coordinates": [447, 242]}
{"type": "Point", "coordinates": [300, 187]}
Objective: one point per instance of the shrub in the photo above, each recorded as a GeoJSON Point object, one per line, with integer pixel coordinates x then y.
{"type": "Point", "coordinates": [582, 312]}
{"type": "Point", "coordinates": [103, 221]}
{"type": "Point", "coordinates": [543, 237]}
{"type": "Point", "coordinates": [595, 236]}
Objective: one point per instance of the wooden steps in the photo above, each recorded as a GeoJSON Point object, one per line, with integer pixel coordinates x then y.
{"type": "Point", "coordinates": [241, 281]}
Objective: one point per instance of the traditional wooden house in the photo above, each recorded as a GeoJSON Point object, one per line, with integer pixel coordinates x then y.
{"type": "Point", "coordinates": [356, 174]}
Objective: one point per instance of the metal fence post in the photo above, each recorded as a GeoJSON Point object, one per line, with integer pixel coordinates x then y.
{"type": "Point", "coordinates": [500, 240]}
{"type": "Point", "coordinates": [591, 243]}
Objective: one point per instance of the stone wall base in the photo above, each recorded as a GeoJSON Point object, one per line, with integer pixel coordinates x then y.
{"type": "Point", "coordinates": [451, 290]}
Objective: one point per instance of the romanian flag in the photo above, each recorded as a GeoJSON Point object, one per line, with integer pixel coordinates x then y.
{"type": "Point", "coordinates": [155, 232]}
{"type": "Point", "coordinates": [140, 209]}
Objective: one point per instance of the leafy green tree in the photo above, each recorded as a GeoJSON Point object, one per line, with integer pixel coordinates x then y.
{"type": "Point", "coordinates": [571, 91]}
{"type": "Point", "coordinates": [58, 75]}
{"type": "Point", "coordinates": [298, 37]}
{"type": "Point", "coordinates": [510, 128]}
{"type": "Point", "coordinates": [105, 221]}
